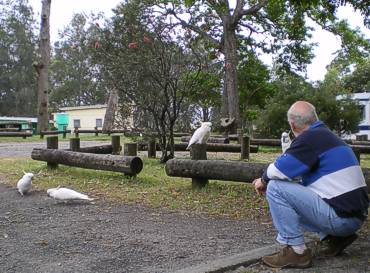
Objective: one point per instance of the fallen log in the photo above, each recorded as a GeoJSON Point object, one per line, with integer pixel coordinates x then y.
{"type": "Point", "coordinates": [363, 149]}
{"type": "Point", "coordinates": [129, 165]}
{"type": "Point", "coordinates": [226, 170]}
{"type": "Point", "coordinates": [102, 149]}
{"type": "Point", "coordinates": [15, 134]}
{"type": "Point", "coordinates": [45, 133]}
{"type": "Point", "coordinates": [210, 139]}
{"type": "Point", "coordinates": [211, 147]}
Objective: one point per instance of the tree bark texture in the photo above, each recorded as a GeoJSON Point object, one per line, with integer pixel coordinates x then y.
{"type": "Point", "coordinates": [110, 111]}
{"type": "Point", "coordinates": [211, 147]}
{"type": "Point", "coordinates": [129, 165]}
{"type": "Point", "coordinates": [210, 139]}
{"type": "Point", "coordinates": [226, 170]}
{"type": "Point", "coordinates": [42, 68]}
{"type": "Point", "coordinates": [198, 152]}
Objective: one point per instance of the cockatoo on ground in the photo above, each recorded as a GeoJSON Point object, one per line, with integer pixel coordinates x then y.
{"type": "Point", "coordinates": [285, 141]}
{"type": "Point", "coordinates": [201, 134]}
{"type": "Point", "coordinates": [25, 183]}
{"type": "Point", "coordinates": [65, 194]}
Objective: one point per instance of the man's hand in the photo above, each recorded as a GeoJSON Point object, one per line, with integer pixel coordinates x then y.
{"type": "Point", "coordinates": [259, 186]}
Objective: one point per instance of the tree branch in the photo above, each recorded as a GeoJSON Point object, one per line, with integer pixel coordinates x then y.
{"type": "Point", "coordinates": [240, 12]}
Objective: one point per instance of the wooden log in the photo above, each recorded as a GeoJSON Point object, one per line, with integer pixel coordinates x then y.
{"type": "Point", "coordinates": [210, 140]}
{"type": "Point", "coordinates": [211, 147]}
{"type": "Point", "coordinates": [226, 170]}
{"type": "Point", "coordinates": [363, 149]}
{"type": "Point", "coordinates": [266, 142]}
{"type": "Point", "coordinates": [129, 165]}
{"type": "Point", "coordinates": [130, 149]}
{"type": "Point", "coordinates": [116, 145]}
{"type": "Point", "coordinates": [198, 152]}
{"type": "Point", "coordinates": [74, 144]}
{"type": "Point", "coordinates": [152, 149]}
{"type": "Point", "coordinates": [52, 143]}
{"type": "Point", "coordinates": [102, 149]}
{"type": "Point", "coordinates": [88, 131]}
{"type": "Point", "coordinates": [46, 133]}
{"type": "Point", "coordinates": [15, 134]}
{"type": "Point", "coordinates": [245, 148]}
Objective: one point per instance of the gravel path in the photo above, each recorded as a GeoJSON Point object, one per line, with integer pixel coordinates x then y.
{"type": "Point", "coordinates": [38, 235]}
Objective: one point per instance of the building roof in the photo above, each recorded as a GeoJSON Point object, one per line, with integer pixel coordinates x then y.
{"type": "Point", "coordinates": [96, 106]}
{"type": "Point", "coordinates": [355, 96]}
{"type": "Point", "coordinates": [18, 119]}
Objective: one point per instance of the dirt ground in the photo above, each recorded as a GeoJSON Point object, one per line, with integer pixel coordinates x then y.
{"type": "Point", "coordinates": [40, 235]}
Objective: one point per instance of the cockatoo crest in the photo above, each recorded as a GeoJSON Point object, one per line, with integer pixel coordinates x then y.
{"type": "Point", "coordinates": [25, 183]}
{"type": "Point", "coordinates": [200, 135]}
{"type": "Point", "coordinates": [65, 194]}
{"type": "Point", "coordinates": [285, 141]}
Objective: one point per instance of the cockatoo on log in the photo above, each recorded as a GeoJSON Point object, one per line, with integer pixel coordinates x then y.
{"type": "Point", "coordinates": [285, 141]}
{"type": "Point", "coordinates": [65, 194]}
{"type": "Point", "coordinates": [201, 134]}
{"type": "Point", "coordinates": [25, 183]}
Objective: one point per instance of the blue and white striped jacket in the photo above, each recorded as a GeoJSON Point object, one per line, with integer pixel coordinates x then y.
{"type": "Point", "coordinates": [324, 163]}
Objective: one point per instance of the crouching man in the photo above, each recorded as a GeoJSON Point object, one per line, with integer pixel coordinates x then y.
{"type": "Point", "coordinates": [317, 185]}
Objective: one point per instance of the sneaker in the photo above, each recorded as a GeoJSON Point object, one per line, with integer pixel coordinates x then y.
{"type": "Point", "coordinates": [287, 258]}
{"type": "Point", "coordinates": [332, 246]}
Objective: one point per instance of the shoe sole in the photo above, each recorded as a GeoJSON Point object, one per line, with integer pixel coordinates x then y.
{"type": "Point", "coordinates": [303, 265]}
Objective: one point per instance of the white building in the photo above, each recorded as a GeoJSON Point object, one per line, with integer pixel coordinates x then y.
{"type": "Point", "coordinates": [364, 101]}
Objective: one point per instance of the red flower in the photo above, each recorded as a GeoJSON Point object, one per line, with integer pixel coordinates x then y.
{"type": "Point", "coordinates": [97, 45]}
{"type": "Point", "coordinates": [132, 45]}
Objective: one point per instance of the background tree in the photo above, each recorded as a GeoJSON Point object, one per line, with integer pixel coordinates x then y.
{"type": "Point", "coordinates": [75, 77]}
{"type": "Point", "coordinates": [42, 68]}
{"type": "Point", "coordinates": [17, 52]}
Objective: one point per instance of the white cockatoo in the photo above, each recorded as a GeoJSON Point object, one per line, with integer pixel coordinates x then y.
{"type": "Point", "coordinates": [201, 134]}
{"type": "Point", "coordinates": [285, 141]}
{"type": "Point", "coordinates": [25, 183]}
{"type": "Point", "coordinates": [65, 194]}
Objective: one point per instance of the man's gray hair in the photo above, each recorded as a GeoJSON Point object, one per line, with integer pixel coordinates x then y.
{"type": "Point", "coordinates": [302, 119]}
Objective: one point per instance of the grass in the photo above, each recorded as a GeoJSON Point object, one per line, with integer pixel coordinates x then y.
{"type": "Point", "coordinates": [152, 187]}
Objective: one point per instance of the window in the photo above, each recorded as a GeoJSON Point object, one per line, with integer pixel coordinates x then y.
{"type": "Point", "coordinates": [76, 123]}
{"type": "Point", "coordinates": [363, 112]}
{"type": "Point", "coordinates": [99, 122]}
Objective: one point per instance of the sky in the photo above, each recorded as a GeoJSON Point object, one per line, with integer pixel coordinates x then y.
{"type": "Point", "coordinates": [63, 10]}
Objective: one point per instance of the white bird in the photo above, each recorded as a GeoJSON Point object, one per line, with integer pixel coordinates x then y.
{"type": "Point", "coordinates": [285, 141]}
{"type": "Point", "coordinates": [25, 183]}
{"type": "Point", "coordinates": [201, 134]}
{"type": "Point", "coordinates": [65, 194]}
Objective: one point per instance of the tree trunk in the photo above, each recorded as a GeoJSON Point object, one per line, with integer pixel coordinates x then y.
{"type": "Point", "coordinates": [231, 60]}
{"type": "Point", "coordinates": [42, 68]}
{"type": "Point", "coordinates": [130, 165]}
{"type": "Point", "coordinates": [110, 112]}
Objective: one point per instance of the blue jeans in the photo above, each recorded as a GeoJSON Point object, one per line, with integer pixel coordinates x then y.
{"type": "Point", "coordinates": [295, 209]}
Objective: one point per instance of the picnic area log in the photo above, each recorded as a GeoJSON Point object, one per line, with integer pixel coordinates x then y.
{"type": "Point", "coordinates": [210, 140]}
{"type": "Point", "coordinates": [15, 134]}
{"type": "Point", "coordinates": [215, 169]}
{"type": "Point", "coordinates": [226, 170]}
{"type": "Point", "coordinates": [211, 147]}
{"type": "Point", "coordinates": [102, 149]}
{"type": "Point", "coordinates": [129, 165]}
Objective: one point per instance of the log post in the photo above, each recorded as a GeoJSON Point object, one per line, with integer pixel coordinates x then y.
{"type": "Point", "coordinates": [52, 143]}
{"type": "Point", "coordinates": [130, 149]}
{"type": "Point", "coordinates": [245, 148]}
{"type": "Point", "coordinates": [76, 132]}
{"type": "Point", "coordinates": [116, 145]}
{"type": "Point", "coordinates": [239, 133]}
{"type": "Point", "coordinates": [74, 144]}
{"type": "Point", "coordinates": [41, 135]}
{"type": "Point", "coordinates": [129, 165]}
{"type": "Point", "coordinates": [64, 133]}
{"type": "Point", "coordinates": [152, 148]}
{"type": "Point", "coordinates": [198, 152]}
{"type": "Point", "coordinates": [96, 131]}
